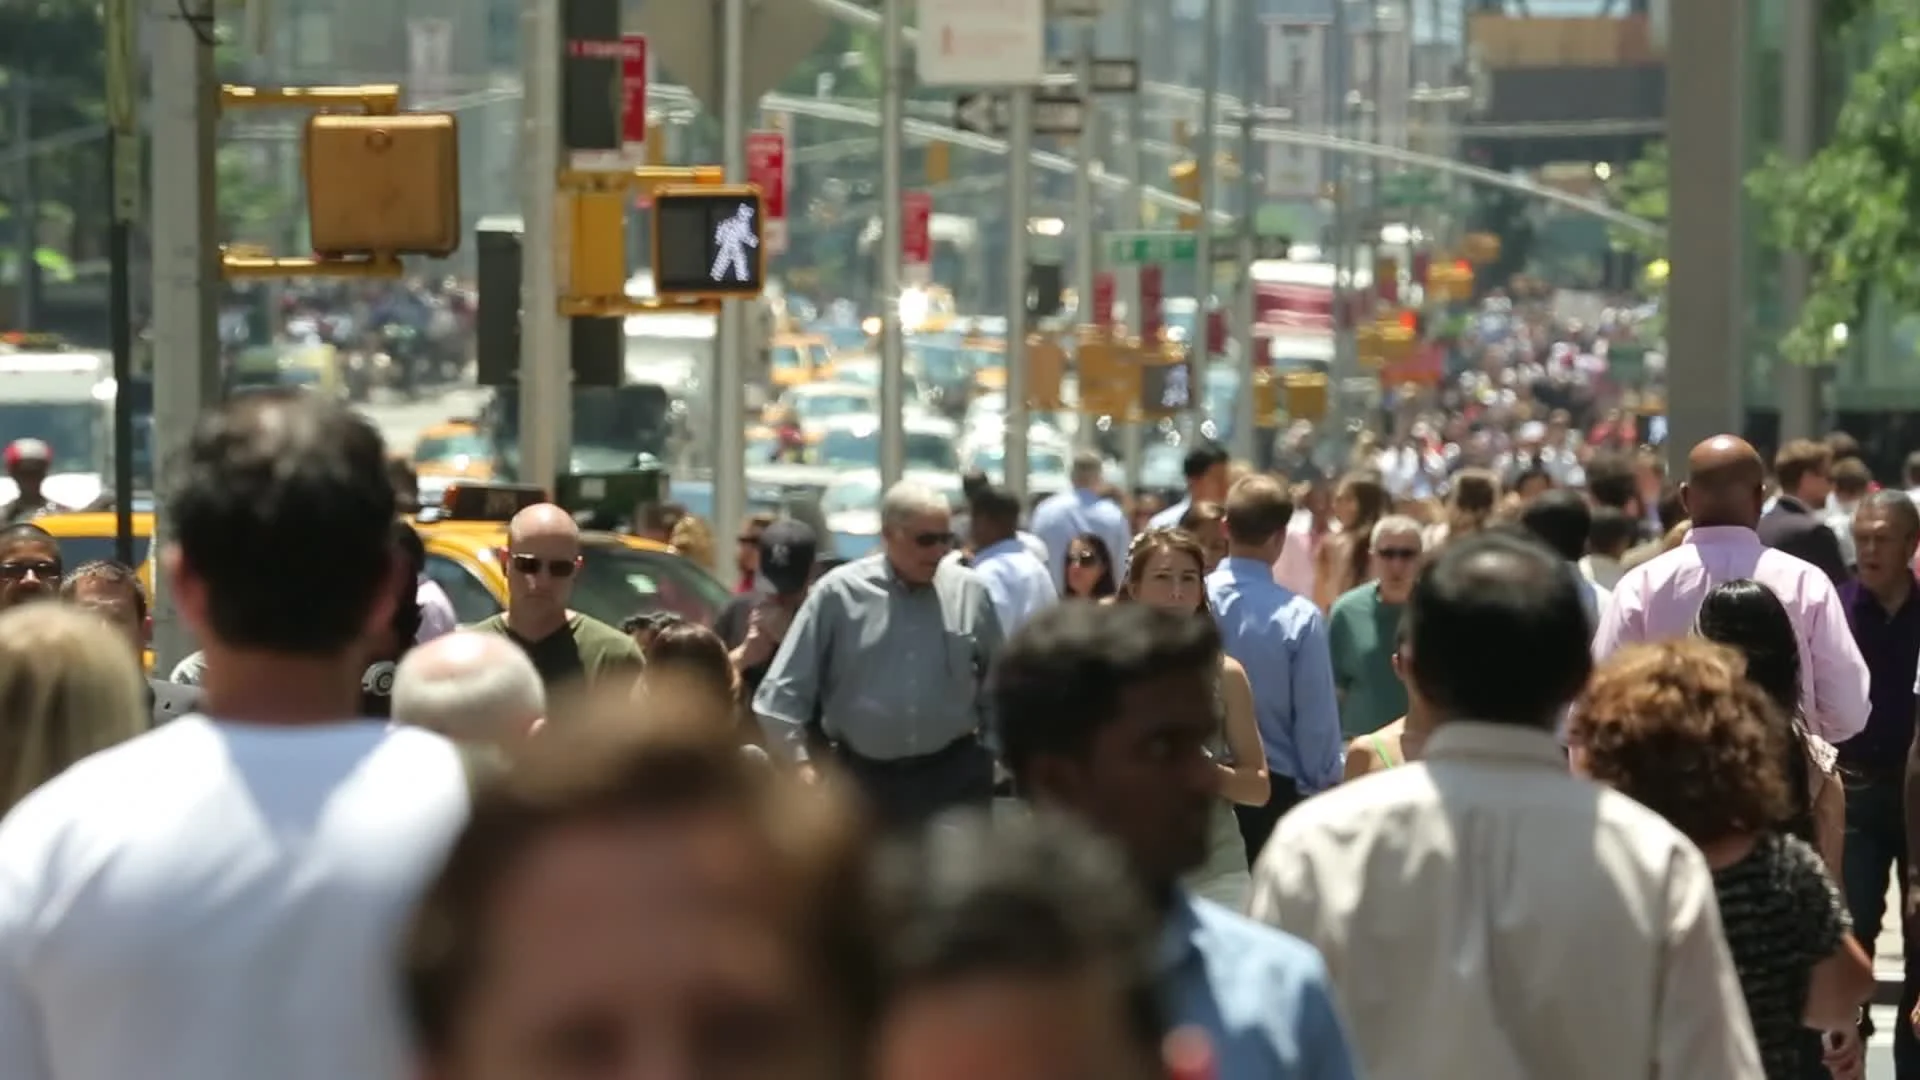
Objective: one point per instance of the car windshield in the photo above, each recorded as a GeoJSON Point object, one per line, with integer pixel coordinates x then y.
{"type": "Point", "coordinates": [863, 494]}
{"type": "Point", "coordinates": [789, 358]}
{"type": "Point", "coordinates": [70, 428]}
{"type": "Point", "coordinates": [845, 449]}
{"type": "Point", "coordinates": [1041, 461]}
{"type": "Point", "coordinates": [465, 444]}
{"type": "Point", "coordinates": [616, 581]}
{"type": "Point", "coordinates": [815, 407]}
{"type": "Point", "coordinates": [944, 364]}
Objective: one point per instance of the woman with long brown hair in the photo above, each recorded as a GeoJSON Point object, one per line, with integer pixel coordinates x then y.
{"type": "Point", "coordinates": [1166, 568]}
{"type": "Point", "coordinates": [1470, 505]}
{"type": "Point", "coordinates": [1359, 502]}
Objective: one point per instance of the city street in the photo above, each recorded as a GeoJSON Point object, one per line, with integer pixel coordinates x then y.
{"type": "Point", "coordinates": [401, 422]}
{"type": "Point", "coordinates": [1886, 967]}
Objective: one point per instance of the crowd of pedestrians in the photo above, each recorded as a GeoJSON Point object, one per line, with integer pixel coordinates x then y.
{"type": "Point", "coordinates": [1294, 780]}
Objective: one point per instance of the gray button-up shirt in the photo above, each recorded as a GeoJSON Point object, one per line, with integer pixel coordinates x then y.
{"type": "Point", "coordinates": [892, 670]}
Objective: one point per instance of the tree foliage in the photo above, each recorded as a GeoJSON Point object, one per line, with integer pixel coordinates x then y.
{"type": "Point", "coordinates": [1854, 209]}
{"type": "Point", "coordinates": [1640, 189]}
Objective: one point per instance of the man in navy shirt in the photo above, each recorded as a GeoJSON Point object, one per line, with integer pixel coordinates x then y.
{"type": "Point", "coordinates": [1883, 609]}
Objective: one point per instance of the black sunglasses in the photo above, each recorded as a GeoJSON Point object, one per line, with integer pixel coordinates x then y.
{"type": "Point", "coordinates": [933, 539]}
{"type": "Point", "coordinates": [534, 564]}
{"type": "Point", "coordinates": [1082, 558]}
{"type": "Point", "coordinates": [18, 571]}
{"type": "Point", "coordinates": [1397, 554]}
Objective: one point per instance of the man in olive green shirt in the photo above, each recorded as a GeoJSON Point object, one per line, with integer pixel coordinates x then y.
{"type": "Point", "coordinates": [1364, 627]}
{"type": "Point", "coordinates": [541, 563]}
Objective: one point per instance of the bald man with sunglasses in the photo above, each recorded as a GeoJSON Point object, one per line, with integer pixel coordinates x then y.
{"type": "Point", "coordinates": [541, 562]}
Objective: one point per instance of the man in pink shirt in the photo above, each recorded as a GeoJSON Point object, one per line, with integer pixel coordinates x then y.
{"type": "Point", "coordinates": [1659, 599]}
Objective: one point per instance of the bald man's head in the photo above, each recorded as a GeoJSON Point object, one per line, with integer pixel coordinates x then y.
{"type": "Point", "coordinates": [543, 521]}
{"type": "Point", "coordinates": [471, 687]}
{"type": "Point", "coordinates": [1726, 483]}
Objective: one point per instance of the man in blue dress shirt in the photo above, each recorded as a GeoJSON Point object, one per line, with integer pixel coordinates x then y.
{"type": "Point", "coordinates": [1081, 509]}
{"type": "Point", "coordinates": [1280, 637]}
{"type": "Point", "coordinates": [1106, 712]}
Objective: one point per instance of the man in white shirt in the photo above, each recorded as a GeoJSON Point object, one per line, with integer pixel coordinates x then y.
{"type": "Point", "coordinates": [1082, 509]}
{"type": "Point", "coordinates": [1019, 584]}
{"type": "Point", "coordinates": [219, 899]}
{"type": "Point", "coordinates": [1536, 924]}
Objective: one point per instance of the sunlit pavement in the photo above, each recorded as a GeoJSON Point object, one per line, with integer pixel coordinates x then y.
{"type": "Point", "coordinates": [401, 421]}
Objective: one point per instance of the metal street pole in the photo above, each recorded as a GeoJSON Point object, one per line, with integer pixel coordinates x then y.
{"type": "Point", "coordinates": [1245, 434]}
{"type": "Point", "coordinates": [1203, 244]}
{"type": "Point", "coordinates": [26, 207]}
{"type": "Point", "coordinates": [1799, 121]}
{"type": "Point", "coordinates": [1131, 158]}
{"type": "Point", "coordinates": [1083, 223]}
{"type": "Point", "coordinates": [123, 192]}
{"type": "Point", "coordinates": [544, 353]}
{"type": "Point", "coordinates": [186, 260]}
{"type": "Point", "coordinates": [730, 414]}
{"type": "Point", "coordinates": [1345, 303]}
{"type": "Point", "coordinates": [1019, 200]}
{"type": "Point", "coordinates": [893, 432]}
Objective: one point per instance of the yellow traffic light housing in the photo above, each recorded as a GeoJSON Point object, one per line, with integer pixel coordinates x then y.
{"type": "Point", "coordinates": [1482, 248]}
{"type": "Point", "coordinates": [1267, 385]}
{"type": "Point", "coordinates": [937, 164]}
{"type": "Point", "coordinates": [1397, 344]}
{"type": "Point", "coordinates": [1306, 395]}
{"type": "Point", "coordinates": [596, 262]}
{"type": "Point", "coordinates": [1108, 375]}
{"type": "Point", "coordinates": [383, 185]}
{"type": "Point", "coordinates": [1046, 369]}
{"type": "Point", "coordinates": [1185, 176]}
{"type": "Point", "coordinates": [1368, 349]}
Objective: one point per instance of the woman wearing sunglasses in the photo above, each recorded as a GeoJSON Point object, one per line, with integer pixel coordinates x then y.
{"type": "Point", "coordinates": [1089, 569]}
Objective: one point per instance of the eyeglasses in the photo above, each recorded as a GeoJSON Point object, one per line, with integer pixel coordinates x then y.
{"type": "Point", "coordinates": [933, 539]}
{"type": "Point", "coordinates": [747, 538]}
{"type": "Point", "coordinates": [534, 564]}
{"type": "Point", "coordinates": [1396, 554]}
{"type": "Point", "coordinates": [18, 571]}
{"type": "Point", "coordinates": [1082, 558]}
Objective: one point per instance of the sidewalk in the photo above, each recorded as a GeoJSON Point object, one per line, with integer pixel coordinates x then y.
{"type": "Point", "coordinates": [1888, 964]}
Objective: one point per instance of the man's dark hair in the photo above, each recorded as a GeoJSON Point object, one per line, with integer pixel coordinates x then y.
{"type": "Point", "coordinates": [1610, 479]}
{"type": "Point", "coordinates": [1612, 531]}
{"type": "Point", "coordinates": [1843, 446]}
{"type": "Point", "coordinates": [1034, 896]}
{"type": "Point", "coordinates": [972, 482]}
{"type": "Point", "coordinates": [1201, 460]}
{"type": "Point", "coordinates": [1851, 478]}
{"type": "Point", "coordinates": [1799, 459]}
{"type": "Point", "coordinates": [1060, 679]}
{"type": "Point", "coordinates": [995, 506]}
{"type": "Point", "coordinates": [1526, 473]}
{"type": "Point", "coordinates": [112, 572]}
{"type": "Point", "coordinates": [1672, 509]}
{"type": "Point", "coordinates": [650, 621]}
{"type": "Point", "coordinates": [1258, 509]}
{"type": "Point", "coordinates": [1499, 631]}
{"type": "Point", "coordinates": [1561, 520]}
{"type": "Point", "coordinates": [281, 502]}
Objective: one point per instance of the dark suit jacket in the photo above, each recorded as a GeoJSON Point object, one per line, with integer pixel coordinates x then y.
{"type": "Point", "coordinates": [1793, 528]}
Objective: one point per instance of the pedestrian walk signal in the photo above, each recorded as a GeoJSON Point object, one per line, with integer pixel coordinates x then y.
{"type": "Point", "coordinates": [707, 243]}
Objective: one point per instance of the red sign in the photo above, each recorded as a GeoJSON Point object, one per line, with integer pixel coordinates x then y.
{"type": "Point", "coordinates": [1262, 350]}
{"type": "Point", "coordinates": [1302, 307]}
{"type": "Point", "coordinates": [633, 92]}
{"type": "Point", "coordinates": [1103, 299]}
{"type": "Point", "coordinates": [1216, 333]}
{"type": "Point", "coordinates": [1152, 316]}
{"type": "Point", "coordinates": [767, 170]}
{"type": "Point", "coordinates": [916, 228]}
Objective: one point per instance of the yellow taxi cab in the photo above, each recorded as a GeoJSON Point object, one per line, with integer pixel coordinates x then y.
{"type": "Point", "coordinates": [799, 359]}
{"type": "Point", "coordinates": [456, 449]}
{"type": "Point", "coordinates": [988, 358]}
{"type": "Point", "coordinates": [619, 575]}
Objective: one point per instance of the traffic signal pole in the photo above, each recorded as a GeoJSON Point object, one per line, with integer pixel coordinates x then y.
{"type": "Point", "coordinates": [729, 411]}
{"type": "Point", "coordinates": [1245, 434]}
{"type": "Point", "coordinates": [186, 263]}
{"type": "Point", "coordinates": [1203, 242]}
{"type": "Point", "coordinates": [893, 432]}
{"type": "Point", "coordinates": [545, 367]}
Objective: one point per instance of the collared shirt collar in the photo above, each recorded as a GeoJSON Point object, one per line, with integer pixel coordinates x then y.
{"type": "Point", "coordinates": [1004, 547]}
{"type": "Point", "coordinates": [1476, 740]}
{"type": "Point", "coordinates": [1791, 505]}
{"type": "Point", "coordinates": [1858, 597]}
{"type": "Point", "coordinates": [1722, 536]}
{"type": "Point", "coordinates": [1243, 568]}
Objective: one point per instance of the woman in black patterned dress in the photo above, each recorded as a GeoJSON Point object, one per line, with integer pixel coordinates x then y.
{"type": "Point", "coordinates": [1679, 728]}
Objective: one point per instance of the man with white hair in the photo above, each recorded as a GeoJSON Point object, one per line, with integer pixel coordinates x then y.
{"type": "Point", "coordinates": [891, 653]}
{"type": "Point", "coordinates": [1079, 511]}
{"type": "Point", "coordinates": [471, 687]}
{"type": "Point", "coordinates": [1363, 629]}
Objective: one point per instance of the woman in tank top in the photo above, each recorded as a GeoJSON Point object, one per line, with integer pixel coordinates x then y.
{"type": "Point", "coordinates": [1164, 568]}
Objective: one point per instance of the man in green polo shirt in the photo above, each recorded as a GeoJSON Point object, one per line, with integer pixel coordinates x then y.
{"type": "Point", "coordinates": [542, 561]}
{"type": "Point", "coordinates": [1364, 626]}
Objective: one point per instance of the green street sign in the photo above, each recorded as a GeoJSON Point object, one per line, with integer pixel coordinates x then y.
{"type": "Point", "coordinates": [1136, 248]}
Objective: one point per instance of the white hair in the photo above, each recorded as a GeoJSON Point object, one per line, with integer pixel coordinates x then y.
{"type": "Point", "coordinates": [907, 499]}
{"type": "Point", "coordinates": [1394, 525]}
{"type": "Point", "coordinates": [471, 687]}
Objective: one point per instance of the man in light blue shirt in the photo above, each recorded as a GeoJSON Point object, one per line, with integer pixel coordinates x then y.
{"type": "Point", "coordinates": [1206, 471]}
{"type": "Point", "coordinates": [1017, 581]}
{"type": "Point", "coordinates": [1080, 509]}
{"type": "Point", "coordinates": [1106, 712]}
{"type": "Point", "coordinates": [1281, 639]}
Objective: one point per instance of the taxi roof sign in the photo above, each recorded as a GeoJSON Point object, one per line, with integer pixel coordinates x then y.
{"type": "Point", "coordinates": [488, 502]}
{"type": "Point", "coordinates": [25, 341]}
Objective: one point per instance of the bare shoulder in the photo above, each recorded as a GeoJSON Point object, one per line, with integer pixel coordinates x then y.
{"type": "Point", "coordinates": [1232, 669]}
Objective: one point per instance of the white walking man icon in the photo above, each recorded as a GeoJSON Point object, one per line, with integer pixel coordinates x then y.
{"type": "Point", "coordinates": [731, 239]}
{"type": "Point", "coordinates": [1174, 393]}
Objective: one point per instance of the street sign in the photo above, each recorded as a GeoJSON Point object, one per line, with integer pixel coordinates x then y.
{"type": "Point", "coordinates": [982, 114]}
{"type": "Point", "coordinates": [767, 170]}
{"type": "Point", "coordinates": [982, 42]}
{"type": "Point", "coordinates": [1152, 318]}
{"type": "Point", "coordinates": [1103, 299]}
{"type": "Point", "coordinates": [990, 114]}
{"type": "Point", "coordinates": [707, 243]}
{"type": "Point", "coordinates": [1063, 114]}
{"type": "Point", "coordinates": [1109, 76]}
{"type": "Point", "coordinates": [686, 38]}
{"type": "Point", "coordinates": [916, 234]}
{"type": "Point", "coordinates": [1135, 248]}
{"type": "Point", "coordinates": [633, 90]}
